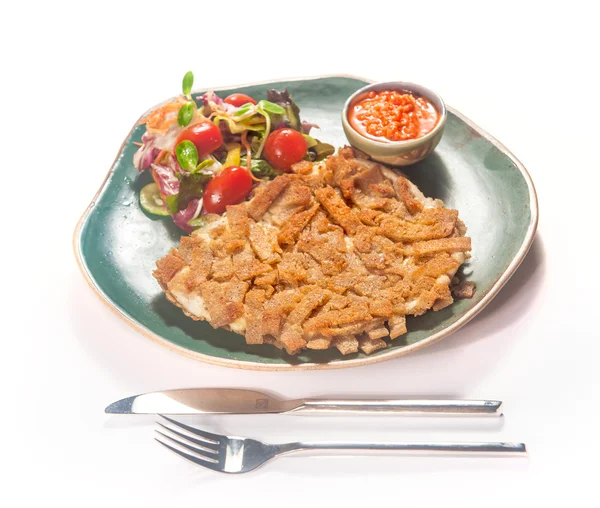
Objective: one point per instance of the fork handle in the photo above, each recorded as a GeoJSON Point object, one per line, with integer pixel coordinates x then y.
{"type": "Point", "coordinates": [416, 407]}
{"type": "Point", "coordinates": [485, 448]}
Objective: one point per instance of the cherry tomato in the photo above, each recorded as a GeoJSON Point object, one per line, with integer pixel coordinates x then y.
{"type": "Point", "coordinates": [285, 147]}
{"type": "Point", "coordinates": [229, 187]}
{"type": "Point", "coordinates": [205, 135]}
{"type": "Point", "coordinates": [239, 99]}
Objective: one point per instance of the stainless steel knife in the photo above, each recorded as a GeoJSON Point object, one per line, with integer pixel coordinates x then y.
{"type": "Point", "coordinates": [239, 401]}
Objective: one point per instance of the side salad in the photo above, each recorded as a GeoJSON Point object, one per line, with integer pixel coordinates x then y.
{"type": "Point", "coordinates": [206, 153]}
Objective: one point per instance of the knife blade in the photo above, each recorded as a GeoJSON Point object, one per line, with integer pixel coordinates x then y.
{"type": "Point", "coordinates": [239, 401]}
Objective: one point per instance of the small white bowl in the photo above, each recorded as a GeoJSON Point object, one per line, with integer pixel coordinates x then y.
{"type": "Point", "coordinates": [397, 153]}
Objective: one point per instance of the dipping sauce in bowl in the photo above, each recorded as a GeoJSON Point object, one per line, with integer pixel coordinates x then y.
{"type": "Point", "coordinates": [392, 115]}
{"type": "Point", "coordinates": [395, 122]}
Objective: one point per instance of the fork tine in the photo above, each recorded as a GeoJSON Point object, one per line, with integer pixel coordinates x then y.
{"type": "Point", "coordinates": [215, 438]}
{"type": "Point", "coordinates": [208, 447]}
{"type": "Point", "coordinates": [192, 458]}
{"type": "Point", "coordinates": [203, 454]}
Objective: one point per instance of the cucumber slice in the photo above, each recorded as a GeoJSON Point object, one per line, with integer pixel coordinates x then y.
{"type": "Point", "coordinates": [151, 200]}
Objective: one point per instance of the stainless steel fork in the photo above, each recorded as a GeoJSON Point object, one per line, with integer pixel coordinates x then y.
{"type": "Point", "coordinates": [229, 454]}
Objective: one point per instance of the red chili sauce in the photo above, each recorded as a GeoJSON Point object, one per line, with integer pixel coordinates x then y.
{"type": "Point", "coordinates": [394, 115]}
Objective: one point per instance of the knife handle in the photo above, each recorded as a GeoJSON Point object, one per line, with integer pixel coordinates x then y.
{"type": "Point", "coordinates": [408, 407]}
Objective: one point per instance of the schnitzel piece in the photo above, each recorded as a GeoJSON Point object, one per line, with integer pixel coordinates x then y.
{"type": "Point", "coordinates": [336, 254]}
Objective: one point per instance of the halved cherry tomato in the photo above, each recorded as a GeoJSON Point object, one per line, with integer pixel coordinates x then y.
{"type": "Point", "coordinates": [229, 187]}
{"type": "Point", "coordinates": [285, 147]}
{"type": "Point", "coordinates": [238, 99]}
{"type": "Point", "coordinates": [205, 135]}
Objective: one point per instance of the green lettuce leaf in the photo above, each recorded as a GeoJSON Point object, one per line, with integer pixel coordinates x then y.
{"type": "Point", "coordinates": [261, 168]}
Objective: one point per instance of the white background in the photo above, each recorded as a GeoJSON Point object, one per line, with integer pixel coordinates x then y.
{"type": "Point", "coordinates": [74, 79]}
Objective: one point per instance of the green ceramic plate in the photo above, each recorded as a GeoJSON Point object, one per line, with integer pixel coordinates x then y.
{"type": "Point", "coordinates": [116, 244]}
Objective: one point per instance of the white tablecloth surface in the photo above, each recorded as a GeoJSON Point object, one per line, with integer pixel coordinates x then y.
{"type": "Point", "coordinates": [77, 75]}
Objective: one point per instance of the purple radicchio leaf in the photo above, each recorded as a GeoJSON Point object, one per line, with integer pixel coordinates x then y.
{"type": "Point", "coordinates": [174, 163]}
{"type": "Point", "coordinates": [147, 137]}
{"type": "Point", "coordinates": [307, 126]}
{"type": "Point", "coordinates": [144, 156]}
{"type": "Point", "coordinates": [183, 217]}
{"type": "Point", "coordinates": [167, 179]}
{"type": "Point", "coordinates": [210, 96]}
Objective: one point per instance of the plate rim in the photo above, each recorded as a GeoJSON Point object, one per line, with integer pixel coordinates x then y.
{"type": "Point", "coordinates": [369, 360]}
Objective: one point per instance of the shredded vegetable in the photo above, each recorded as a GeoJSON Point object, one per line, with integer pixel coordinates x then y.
{"type": "Point", "coordinates": [159, 120]}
